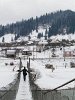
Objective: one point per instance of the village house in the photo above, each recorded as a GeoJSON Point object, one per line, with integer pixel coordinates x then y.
{"type": "Point", "coordinates": [26, 52]}
{"type": "Point", "coordinates": [41, 45]}
{"type": "Point", "coordinates": [54, 43]}
{"type": "Point", "coordinates": [11, 53]}
{"type": "Point", "coordinates": [69, 53]}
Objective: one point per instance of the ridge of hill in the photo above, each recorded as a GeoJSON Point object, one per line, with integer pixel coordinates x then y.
{"type": "Point", "coordinates": [59, 22]}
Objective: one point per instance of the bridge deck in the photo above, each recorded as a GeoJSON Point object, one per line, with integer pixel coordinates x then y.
{"type": "Point", "coordinates": [24, 92]}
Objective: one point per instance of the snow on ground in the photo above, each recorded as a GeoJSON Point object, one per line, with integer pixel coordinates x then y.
{"type": "Point", "coordinates": [20, 39]}
{"type": "Point", "coordinates": [8, 72]}
{"type": "Point", "coordinates": [48, 79]}
{"type": "Point", "coordinates": [51, 80]}
{"type": "Point", "coordinates": [66, 37]}
{"type": "Point", "coordinates": [8, 38]}
{"type": "Point", "coordinates": [34, 34]}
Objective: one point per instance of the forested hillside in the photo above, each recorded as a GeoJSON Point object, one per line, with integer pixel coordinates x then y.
{"type": "Point", "coordinates": [57, 22]}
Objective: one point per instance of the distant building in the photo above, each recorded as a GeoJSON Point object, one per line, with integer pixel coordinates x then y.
{"type": "Point", "coordinates": [41, 45]}
{"type": "Point", "coordinates": [54, 42]}
{"type": "Point", "coordinates": [26, 52]}
{"type": "Point", "coordinates": [69, 53]}
{"type": "Point", "coordinates": [11, 53]}
{"type": "Point", "coordinates": [30, 43]}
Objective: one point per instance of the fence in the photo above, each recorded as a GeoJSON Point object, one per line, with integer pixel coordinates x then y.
{"type": "Point", "coordinates": [9, 92]}
{"type": "Point", "coordinates": [66, 94]}
{"type": "Point", "coordinates": [63, 94]}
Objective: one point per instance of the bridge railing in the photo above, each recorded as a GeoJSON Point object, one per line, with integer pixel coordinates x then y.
{"type": "Point", "coordinates": [9, 92]}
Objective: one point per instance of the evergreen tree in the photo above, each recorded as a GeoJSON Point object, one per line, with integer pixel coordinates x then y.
{"type": "Point", "coordinates": [57, 22]}
{"type": "Point", "coordinates": [39, 35]}
{"type": "Point", "coordinates": [3, 39]}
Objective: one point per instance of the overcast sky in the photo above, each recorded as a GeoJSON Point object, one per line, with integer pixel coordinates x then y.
{"type": "Point", "coordinates": [16, 10]}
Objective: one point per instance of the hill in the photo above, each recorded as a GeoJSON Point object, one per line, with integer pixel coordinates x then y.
{"type": "Point", "coordinates": [59, 22]}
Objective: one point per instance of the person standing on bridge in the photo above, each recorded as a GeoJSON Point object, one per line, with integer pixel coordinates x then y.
{"type": "Point", "coordinates": [24, 73]}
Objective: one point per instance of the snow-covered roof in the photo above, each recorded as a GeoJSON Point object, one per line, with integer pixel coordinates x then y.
{"type": "Point", "coordinates": [20, 47]}
{"type": "Point", "coordinates": [66, 37]}
{"type": "Point", "coordinates": [25, 49]}
{"type": "Point", "coordinates": [11, 51]}
{"type": "Point", "coordinates": [30, 42]}
{"type": "Point", "coordinates": [43, 42]}
{"type": "Point", "coordinates": [55, 41]}
{"type": "Point", "coordinates": [24, 38]}
{"type": "Point", "coordinates": [46, 79]}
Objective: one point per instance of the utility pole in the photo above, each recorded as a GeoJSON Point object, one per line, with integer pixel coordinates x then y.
{"type": "Point", "coordinates": [29, 62]}
{"type": "Point", "coordinates": [33, 52]}
{"type": "Point", "coordinates": [64, 55]}
{"type": "Point", "coordinates": [20, 63]}
{"type": "Point", "coordinates": [36, 51]}
{"type": "Point", "coordinates": [64, 52]}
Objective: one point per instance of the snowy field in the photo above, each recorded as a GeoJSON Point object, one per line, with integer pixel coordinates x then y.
{"type": "Point", "coordinates": [7, 71]}
{"type": "Point", "coordinates": [62, 73]}
{"type": "Point", "coordinates": [46, 78]}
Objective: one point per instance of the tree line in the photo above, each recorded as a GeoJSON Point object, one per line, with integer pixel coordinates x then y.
{"type": "Point", "coordinates": [58, 21]}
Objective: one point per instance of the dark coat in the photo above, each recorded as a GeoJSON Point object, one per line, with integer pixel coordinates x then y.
{"type": "Point", "coordinates": [24, 72]}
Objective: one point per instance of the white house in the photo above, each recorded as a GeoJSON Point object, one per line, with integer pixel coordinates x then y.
{"type": "Point", "coordinates": [11, 53]}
